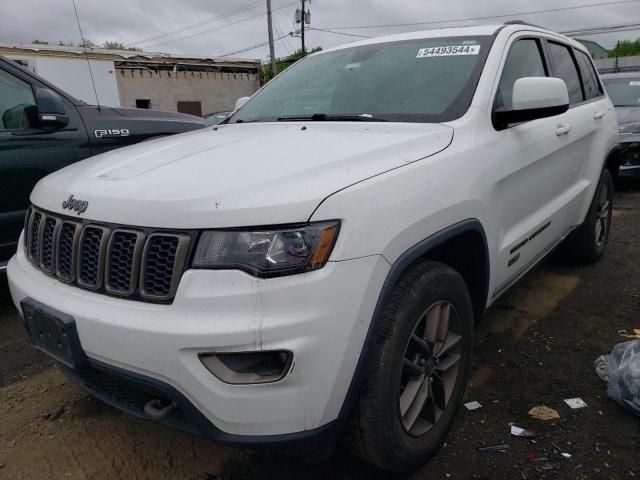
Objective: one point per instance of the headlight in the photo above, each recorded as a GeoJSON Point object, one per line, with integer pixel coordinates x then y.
{"type": "Point", "coordinates": [268, 252]}
{"type": "Point", "coordinates": [630, 128]}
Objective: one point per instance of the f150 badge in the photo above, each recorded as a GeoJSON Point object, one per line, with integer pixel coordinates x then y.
{"type": "Point", "coordinates": [117, 132]}
{"type": "Point", "coordinates": [79, 206]}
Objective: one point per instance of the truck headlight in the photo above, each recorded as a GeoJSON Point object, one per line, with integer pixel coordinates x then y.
{"type": "Point", "coordinates": [268, 252]}
{"type": "Point", "coordinates": [629, 128]}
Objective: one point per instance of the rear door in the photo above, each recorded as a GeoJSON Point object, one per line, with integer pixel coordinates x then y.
{"type": "Point", "coordinates": [582, 137]}
{"type": "Point", "coordinates": [599, 113]}
{"type": "Point", "coordinates": [27, 152]}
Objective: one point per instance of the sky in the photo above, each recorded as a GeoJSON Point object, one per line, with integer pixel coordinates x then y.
{"type": "Point", "coordinates": [243, 23]}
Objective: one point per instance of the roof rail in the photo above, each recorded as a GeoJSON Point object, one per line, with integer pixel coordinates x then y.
{"type": "Point", "coordinates": [521, 22]}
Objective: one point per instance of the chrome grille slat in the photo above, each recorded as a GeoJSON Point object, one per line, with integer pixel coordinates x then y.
{"type": "Point", "coordinates": [121, 261]}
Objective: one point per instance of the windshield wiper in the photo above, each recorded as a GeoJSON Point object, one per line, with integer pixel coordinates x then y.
{"type": "Point", "coordinates": [330, 117]}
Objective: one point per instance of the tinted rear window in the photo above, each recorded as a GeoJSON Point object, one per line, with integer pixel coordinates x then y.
{"type": "Point", "coordinates": [565, 68]}
{"type": "Point", "coordinates": [589, 78]}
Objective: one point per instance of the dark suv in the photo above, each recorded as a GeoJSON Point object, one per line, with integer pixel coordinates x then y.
{"type": "Point", "coordinates": [43, 129]}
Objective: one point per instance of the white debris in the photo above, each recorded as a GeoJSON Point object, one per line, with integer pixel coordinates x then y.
{"type": "Point", "coordinates": [575, 403]}
{"type": "Point", "coordinates": [472, 405]}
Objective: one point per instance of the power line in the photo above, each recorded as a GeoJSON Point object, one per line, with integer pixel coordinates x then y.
{"type": "Point", "coordinates": [230, 13]}
{"type": "Point", "coordinates": [488, 17]}
{"type": "Point", "coordinates": [86, 55]}
{"type": "Point", "coordinates": [220, 27]}
{"type": "Point", "coordinates": [247, 49]}
{"type": "Point", "coordinates": [630, 29]}
{"type": "Point", "coordinates": [605, 29]}
{"type": "Point", "coordinates": [285, 39]}
{"type": "Point", "coordinates": [338, 33]}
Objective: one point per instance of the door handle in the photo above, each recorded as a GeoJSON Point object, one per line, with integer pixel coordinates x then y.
{"type": "Point", "coordinates": [598, 115]}
{"type": "Point", "coordinates": [563, 129]}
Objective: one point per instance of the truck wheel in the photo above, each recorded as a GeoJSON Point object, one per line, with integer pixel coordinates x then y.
{"type": "Point", "coordinates": [417, 370]}
{"type": "Point", "coordinates": [588, 243]}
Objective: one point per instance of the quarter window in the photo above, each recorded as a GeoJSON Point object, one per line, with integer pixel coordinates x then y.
{"type": "Point", "coordinates": [524, 60]}
{"type": "Point", "coordinates": [589, 78]}
{"type": "Point", "coordinates": [565, 68]}
{"type": "Point", "coordinates": [17, 104]}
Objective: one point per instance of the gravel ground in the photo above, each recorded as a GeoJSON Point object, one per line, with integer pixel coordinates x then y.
{"type": "Point", "coordinates": [535, 347]}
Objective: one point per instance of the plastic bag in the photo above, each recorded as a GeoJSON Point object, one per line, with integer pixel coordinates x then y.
{"type": "Point", "coordinates": [621, 370]}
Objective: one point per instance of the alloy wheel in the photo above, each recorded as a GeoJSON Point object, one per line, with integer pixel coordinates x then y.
{"type": "Point", "coordinates": [602, 215]}
{"type": "Point", "coordinates": [430, 368]}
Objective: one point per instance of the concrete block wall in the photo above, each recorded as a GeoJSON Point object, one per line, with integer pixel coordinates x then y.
{"type": "Point", "coordinates": [216, 91]}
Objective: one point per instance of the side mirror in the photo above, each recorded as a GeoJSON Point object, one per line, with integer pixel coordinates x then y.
{"type": "Point", "coordinates": [51, 110]}
{"type": "Point", "coordinates": [240, 102]}
{"type": "Point", "coordinates": [533, 98]}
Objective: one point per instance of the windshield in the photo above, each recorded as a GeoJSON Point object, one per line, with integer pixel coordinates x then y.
{"type": "Point", "coordinates": [624, 92]}
{"type": "Point", "coordinates": [424, 80]}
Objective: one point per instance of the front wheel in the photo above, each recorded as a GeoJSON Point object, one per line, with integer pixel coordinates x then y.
{"type": "Point", "coordinates": [588, 243]}
{"type": "Point", "coordinates": [417, 369]}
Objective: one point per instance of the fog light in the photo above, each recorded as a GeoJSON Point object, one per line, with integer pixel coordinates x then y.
{"type": "Point", "coordinates": [244, 368]}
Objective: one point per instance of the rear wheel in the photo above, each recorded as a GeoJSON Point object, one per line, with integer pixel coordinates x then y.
{"type": "Point", "coordinates": [588, 243]}
{"type": "Point", "coordinates": [416, 371]}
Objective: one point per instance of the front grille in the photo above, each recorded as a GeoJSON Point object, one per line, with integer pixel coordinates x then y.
{"type": "Point", "coordinates": [123, 258]}
{"type": "Point", "coordinates": [121, 261]}
{"type": "Point", "coordinates": [161, 255]}
{"type": "Point", "coordinates": [50, 226]}
{"type": "Point", "coordinates": [91, 256]}
{"type": "Point", "coordinates": [34, 237]}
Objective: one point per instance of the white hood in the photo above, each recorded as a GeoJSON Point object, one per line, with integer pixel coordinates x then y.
{"type": "Point", "coordinates": [237, 175]}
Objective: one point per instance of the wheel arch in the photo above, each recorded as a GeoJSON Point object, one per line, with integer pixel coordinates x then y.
{"type": "Point", "coordinates": [612, 161]}
{"type": "Point", "coordinates": [453, 245]}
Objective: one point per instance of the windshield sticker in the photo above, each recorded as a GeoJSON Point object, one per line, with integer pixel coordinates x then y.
{"type": "Point", "coordinates": [634, 83]}
{"type": "Point", "coordinates": [449, 51]}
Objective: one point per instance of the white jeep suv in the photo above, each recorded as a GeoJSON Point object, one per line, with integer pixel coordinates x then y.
{"type": "Point", "coordinates": [318, 260]}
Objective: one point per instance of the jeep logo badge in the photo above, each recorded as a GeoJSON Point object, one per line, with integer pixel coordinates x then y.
{"type": "Point", "coordinates": [79, 206]}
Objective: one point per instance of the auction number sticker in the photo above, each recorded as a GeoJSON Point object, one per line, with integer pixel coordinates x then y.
{"type": "Point", "coordinates": [449, 51]}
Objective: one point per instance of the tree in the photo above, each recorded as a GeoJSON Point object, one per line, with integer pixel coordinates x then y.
{"type": "Point", "coordinates": [86, 43]}
{"type": "Point", "coordinates": [40, 42]}
{"type": "Point", "coordinates": [626, 48]}
{"type": "Point", "coordinates": [286, 62]}
{"type": "Point", "coordinates": [119, 46]}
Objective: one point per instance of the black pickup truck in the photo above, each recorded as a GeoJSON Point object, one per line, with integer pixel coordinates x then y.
{"type": "Point", "coordinates": [43, 129]}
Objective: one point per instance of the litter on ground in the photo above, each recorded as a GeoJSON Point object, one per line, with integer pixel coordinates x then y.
{"type": "Point", "coordinates": [621, 370]}
{"type": "Point", "coordinates": [472, 405]}
{"type": "Point", "coordinates": [575, 403]}
{"type": "Point", "coordinates": [544, 413]}
{"type": "Point", "coordinates": [521, 432]}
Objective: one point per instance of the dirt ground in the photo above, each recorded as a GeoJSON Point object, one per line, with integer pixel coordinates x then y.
{"type": "Point", "coordinates": [536, 346]}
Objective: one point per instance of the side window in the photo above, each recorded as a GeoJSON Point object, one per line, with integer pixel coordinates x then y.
{"type": "Point", "coordinates": [589, 77]}
{"type": "Point", "coordinates": [17, 105]}
{"type": "Point", "coordinates": [524, 60]}
{"type": "Point", "coordinates": [565, 68]}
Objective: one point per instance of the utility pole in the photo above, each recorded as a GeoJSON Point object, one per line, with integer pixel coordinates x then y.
{"type": "Point", "coordinates": [302, 21]}
{"type": "Point", "coordinates": [272, 48]}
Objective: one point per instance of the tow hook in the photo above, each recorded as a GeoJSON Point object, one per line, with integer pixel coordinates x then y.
{"type": "Point", "coordinates": [157, 409]}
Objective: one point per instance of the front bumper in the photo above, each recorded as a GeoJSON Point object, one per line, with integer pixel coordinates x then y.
{"type": "Point", "coordinates": [321, 317]}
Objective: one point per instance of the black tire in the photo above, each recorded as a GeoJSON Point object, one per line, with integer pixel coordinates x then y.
{"type": "Point", "coordinates": [588, 243]}
{"type": "Point", "coordinates": [377, 432]}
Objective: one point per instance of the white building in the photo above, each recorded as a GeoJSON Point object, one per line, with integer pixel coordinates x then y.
{"type": "Point", "coordinates": [196, 85]}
